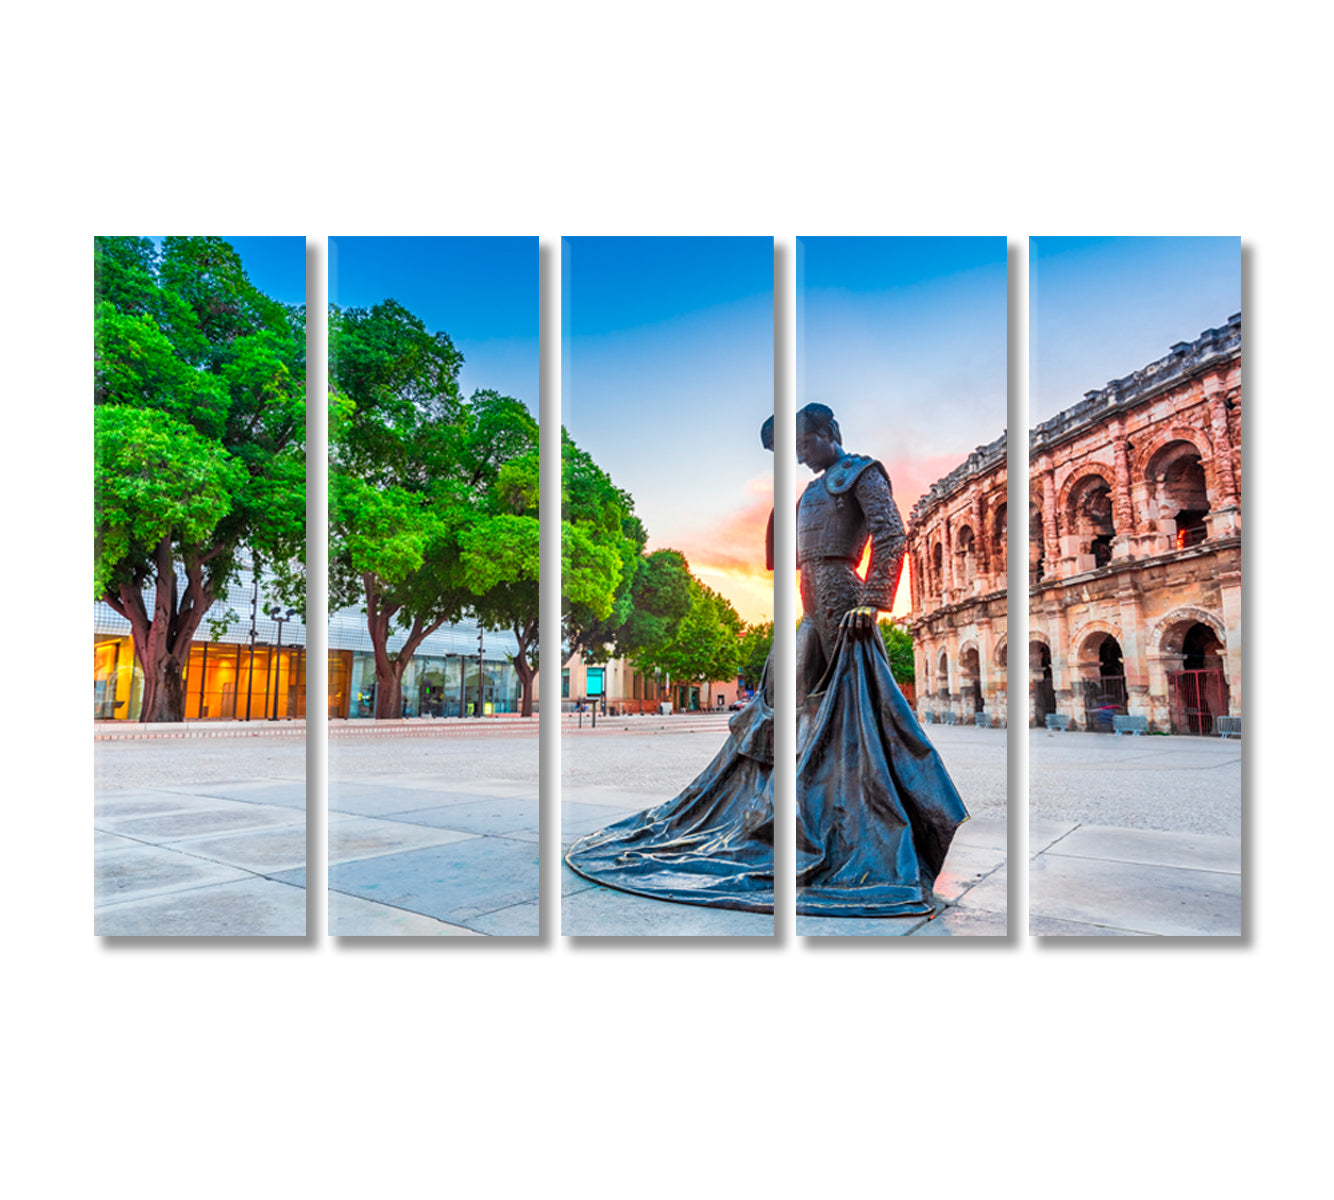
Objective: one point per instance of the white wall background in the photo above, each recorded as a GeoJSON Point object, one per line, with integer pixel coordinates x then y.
{"type": "Point", "coordinates": [510, 1070]}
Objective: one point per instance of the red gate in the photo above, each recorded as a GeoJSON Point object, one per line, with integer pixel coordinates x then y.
{"type": "Point", "coordinates": [1197, 698]}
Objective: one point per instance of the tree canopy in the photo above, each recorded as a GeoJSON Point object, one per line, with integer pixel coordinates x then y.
{"type": "Point", "coordinates": [199, 388]}
{"type": "Point", "coordinates": [433, 498]}
{"type": "Point", "coordinates": [898, 646]}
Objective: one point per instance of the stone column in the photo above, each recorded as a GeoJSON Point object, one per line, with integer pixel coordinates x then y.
{"type": "Point", "coordinates": [1229, 586]}
{"type": "Point", "coordinates": [1123, 509]}
{"type": "Point", "coordinates": [946, 563]}
{"type": "Point", "coordinates": [1050, 529]}
{"type": "Point", "coordinates": [1134, 651]}
{"type": "Point", "coordinates": [1214, 392]}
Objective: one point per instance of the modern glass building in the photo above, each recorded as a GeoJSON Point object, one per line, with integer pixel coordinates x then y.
{"type": "Point", "coordinates": [226, 681]}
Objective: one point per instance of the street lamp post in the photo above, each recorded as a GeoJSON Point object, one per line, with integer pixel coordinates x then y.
{"type": "Point", "coordinates": [276, 614]}
{"type": "Point", "coordinates": [250, 674]}
{"type": "Point", "coordinates": [480, 688]}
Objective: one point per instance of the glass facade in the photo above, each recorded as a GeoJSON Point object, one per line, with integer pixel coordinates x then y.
{"type": "Point", "coordinates": [433, 685]}
{"type": "Point", "coordinates": [222, 681]}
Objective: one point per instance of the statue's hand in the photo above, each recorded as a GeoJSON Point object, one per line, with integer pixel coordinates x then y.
{"type": "Point", "coordinates": [859, 621]}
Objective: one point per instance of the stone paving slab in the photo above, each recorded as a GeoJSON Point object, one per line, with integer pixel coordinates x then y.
{"type": "Point", "coordinates": [351, 916]}
{"type": "Point", "coordinates": [578, 819]}
{"type": "Point", "coordinates": [452, 883]}
{"type": "Point", "coordinates": [603, 912]}
{"type": "Point", "coordinates": [964, 922]}
{"type": "Point", "coordinates": [137, 871]}
{"type": "Point", "coordinates": [966, 867]}
{"type": "Point", "coordinates": [991, 833]}
{"type": "Point", "coordinates": [1171, 901]}
{"type": "Point", "coordinates": [442, 784]}
{"type": "Point", "coordinates": [613, 797]}
{"type": "Point", "coordinates": [392, 799]}
{"type": "Point", "coordinates": [251, 907]}
{"type": "Point", "coordinates": [263, 851]}
{"type": "Point", "coordinates": [517, 920]}
{"type": "Point", "coordinates": [990, 895]}
{"type": "Point", "coordinates": [355, 838]}
{"type": "Point", "coordinates": [496, 815]}
{"type": "Point", "coordinates": [1042, 835]}
{"type": "Point", "coordinates": [857, 926]}
{"type": "Point", "coordinates": [572, 881]}
{"type": "Point", "coordinates": [283, 793]}
{"type": "Point", "coordinates": [1049, 927]}
{"type": "Point", "coordinates": [214, 816]}
{"type": "Point", "coordinates": [1201, 851]}
{"type": "Point", "coordinates": [119, 805]}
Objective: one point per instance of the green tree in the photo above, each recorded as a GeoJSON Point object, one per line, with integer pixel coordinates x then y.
{"type": "Point", "coordinates": [199, 388]}
{"type": "Point", "coordinates": [399, 495]}
{"type": "Point", "coordinates": [706, 645]}
{"type": "Point", "coordinates": [601, 544]}
{"type": "Point", "coordinates": [898, 646]}
{"type": "Point", "coordinates": [499, 549]}
{"type": "Point", "coordinates": [755, 644]}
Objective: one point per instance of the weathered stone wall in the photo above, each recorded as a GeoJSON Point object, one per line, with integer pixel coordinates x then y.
{"type": "Point", "coordinates": [1135, 536]}
{"type": "Point", "coordinates": [958, 560]}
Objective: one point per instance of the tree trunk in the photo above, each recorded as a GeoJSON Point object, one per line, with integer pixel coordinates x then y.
{"type": "Point", "coordinates": [389, 689]}
{"type": "Point", "coordinates": [524, 635]}
{"type": "Point", "coordinates": [162, 642]}
{"type": "Point", "coordinates": [389, 671]}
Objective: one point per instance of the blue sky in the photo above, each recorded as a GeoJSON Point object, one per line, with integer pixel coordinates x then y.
{"type": "Point", "coordinates": [1100, 308]}
{"type": "Point", "coordinates": [482, 291]}
{"type": "Point", "coordinates": [275, 265]}
{"type": "Point", "coordinates": [667, 376]}
{"type": "Point", "coordinates": [905, 339]}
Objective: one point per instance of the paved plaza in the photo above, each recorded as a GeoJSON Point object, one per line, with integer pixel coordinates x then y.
{"type": "Point", "coordinates": [199, 838]}
{"type": "Point", "coordinates": [439, 836]}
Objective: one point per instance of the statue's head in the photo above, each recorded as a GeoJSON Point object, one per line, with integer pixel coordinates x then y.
{"type": "Point", "coordinates": [767, 434]}
{"type": "Point", "coordinates": [819, 442]}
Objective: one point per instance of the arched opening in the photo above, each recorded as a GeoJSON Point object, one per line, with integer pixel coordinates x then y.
{"type": "Point", "coordinates": [1042, 693]}
{"type": "Point", "coordinates": [998, 560]}
{"type": "Point", "coordinates": [937, 568]}
{"type": "Point", "coordinates": [943, 676]}
{"type": "Point", "coordinates": [1036, 557]}
{"type": "Point", "coordinates": [1103, 677]}
{"type": "Point", "coordinates": [1176, 478]}
{"type": "Point", "coordinates": [1091, 520]}
{"type": "Point", "coordinates": [965, 554]}
{"type": "Point", "coordinates": [970, 677]}
{"type": "Point", "coordinates": [1197, 691]}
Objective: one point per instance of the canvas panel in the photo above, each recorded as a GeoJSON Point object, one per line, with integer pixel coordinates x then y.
{"type": "Point", "coordinates": [667, 381]}
{"type": "Point", "coordinates": [199, 642]}
{"type": "Point", "coordinates": [1134, 582]}
{"type": "Point", "coordinates": [902, 653]}
{"type": "Point", "coordinates": [433, 601]}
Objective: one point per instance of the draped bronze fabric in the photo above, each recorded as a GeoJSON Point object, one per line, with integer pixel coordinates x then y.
{"type": "Point", "coordinates": [876, 809]}
{"type": "Point", "coordinates": [714, 843]}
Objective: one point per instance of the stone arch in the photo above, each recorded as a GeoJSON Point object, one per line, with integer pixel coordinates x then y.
{"type": "Point", "coordinates": [1077, 478]}
{"type": "Point", "coordinates": [1180, 489]}
{"type": "Point", "coordinates": [965, 551]}
{"type": "Point", "coordinates": [1081, 638]}
{"type": "Point", "coordinates": [1168, 631]}
{"type": "Point", "coordinates": [1001, 654]}
{"type": "Point", "coordinates": [970, 677]}
{"type": "Point", "coordinates": [1149, 446]}
{"type": "Point", "coordinates": [999, 539]}
{"type": "Point", "coordinates": [1088, 506]}
{"type": "Point", "coordinates": [1038, 567]}
{"type": "Point", "coordinates": [937, 567]}
{"type": "Point", "coordinates": [943, 674]}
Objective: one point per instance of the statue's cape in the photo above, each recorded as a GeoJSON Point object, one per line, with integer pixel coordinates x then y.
{"type": "Point", "coordinates": [844, 473]}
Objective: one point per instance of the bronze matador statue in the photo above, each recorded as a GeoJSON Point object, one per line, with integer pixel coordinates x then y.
{"type": "Point", "coordinates": [875, 807]}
